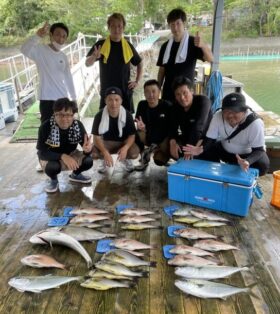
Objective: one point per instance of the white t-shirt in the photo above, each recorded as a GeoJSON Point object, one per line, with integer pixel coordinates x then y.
{"type": "Point", "coordinates": [243, 142]}
{"type": "Point", "coordinates": [54, 71]}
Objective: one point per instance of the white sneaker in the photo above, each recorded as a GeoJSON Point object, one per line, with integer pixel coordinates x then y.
{"type": "Point", "coordinates": [39, 168]}
{"type": "Point", "coordinates": [102, 168]}
{"type": "Point", "coordinates": [128, 165]}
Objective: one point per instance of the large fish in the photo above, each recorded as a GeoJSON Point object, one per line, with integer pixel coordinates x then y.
{"type": "Point", "coordinates": [88, 211]}
{"type": "Point", "coordinates": [208, 223]}
{"type": "Point", "coordinates": [57, 237]}
{"type": "Point", "coordinates": [125, 258]}
{"type": "Point", "coordinates": [105, 284]}
{"type": "Point", "coordinates": [205, 214]}
{"type": "Point", "coordinates": [119, 269]}
{"type": "Point", "coordinates": [207, 272]}
{"type": "Point", "coordinates": [135, 219]}
{"type": "Point", "coordinates": [88, 218]}
{"type": "Point", "coordinates": [85, 234]}
{"type": "Point", "coordinates": [194, 234]}
{"type": "Point", "coordinates": [40, 261]}
{"type": "Point", "coordinates": [39, 283]}
{"type": "Point", "coordinates": [97, 273]}
{"type": "Point", "coordinates": [186, 249]}
{"type": "Point", "coordinates": [136, 212]}
{"type": "Point", "coordinates": [191, 260]}
{"type": "Point", "coordinates": [130, 244]}
{"type": "Point", "coordinates": [214, 246]}
{"type": "Point", "coordinates": [139, 226]}
{"type": "Point", "coordinates": [208, 289]}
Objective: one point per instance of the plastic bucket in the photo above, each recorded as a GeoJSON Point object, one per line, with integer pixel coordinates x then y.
{"type": "Point", "coordinates": [275, 200]}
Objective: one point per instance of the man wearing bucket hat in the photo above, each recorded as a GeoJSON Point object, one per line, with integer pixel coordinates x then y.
{"type": "Point", "coordinates": [114, 132]}
{"type": "Point", "coordinates": [235, 135]}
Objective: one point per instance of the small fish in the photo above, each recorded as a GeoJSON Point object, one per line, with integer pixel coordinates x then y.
{"type": "Point", "coordinates": [97, 273]}
{"type": "Point", "coordinates": [37, 284]}
{"type": "Point", "coordinates": [125, 258]}
{"type": "Point", "coordinates": [187, 219]}
{"type": "Point", "coordinates": [208, 289]}
{"type": "Point", "coordinates": [119, 269]}
{"type": "Point", "coordinates": [139, 227]}
{"type": "Point", "coordinates": [194, 234]}
{"type": "Point", "coordinates": [204, 214]}
{"type": "Point", "coordinates": [88, 218]}
{"type": "Point", "coordinates": [88, 211]}
{"type": "Point", "coordinates": [136, 219]}
{"type": "Point", "coordinates": [40, 261]}
{"type": "Point", "coordinates": [130, 244]}
{"type": "Point", "coordinates": [90, 225]}
{"type": "Point", "coordinates": [105, 284]}
{"type": "Point", "coordinates": [136, 212]}
{"type": "Point", "coordinates": [186, 249]}
{"type": "Point", "coordinates": [208, 224]}
{"type": "Point", "coordinates": [208, 272]}
{"type": "Point", "coordinates": [214, 246]}
{"type": "Point", "coordinates": [50, 236]}
{"type": "Point", "coordinates": [182, 212]}
{"type": "Point", "coordinates": [190, 260]}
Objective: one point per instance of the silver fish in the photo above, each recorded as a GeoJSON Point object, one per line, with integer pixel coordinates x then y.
{"type": "Point", "coordinates": [182, 212]}
{"type": "Point", "coordinates": [130, 244]}
{"type": "Point", "coordinates": [37, 284]}
{"type": "Point", "coordinates": [193, 234]}
{"type": "Point", "coordinates": [105, 284]}
{"type": "Point", "coordinates": [136, 212]}
{"type": "Point", "coordinates": [208, 289]}
{"type": "Point", "coordinates": [136, 219]}
{"type": "Point", "coordinates": [191, 260]}
{"type": "Point", "coordinates": [125, 258]}
{"type": "Point", "coordinates": [40, 261]}
{"type": "Point", "coordinates": [139, 226]}
{"type": "Point", "coordinates": [207, 272]}
{"type": "Point", "coordinates": [88, 218]}
{"type": "Point", "coordinates": [214, 246]}
{"type": "Point", "coordinates": [208, 224]}
{"type": "Point", "coordinates": [205, 214]}
{"type": "Point", "coordinates": [57, 237]}
{"type": "Point", "coordinates": [119, 269]}
{"type": "Point", "coordinates": [186, 249]}
{"type": "Point", "coordinates": [88, 211]}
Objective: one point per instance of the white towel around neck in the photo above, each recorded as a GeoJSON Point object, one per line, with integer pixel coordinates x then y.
{"type": "Point", "coordinates": [182, 52]}
{"type": "Point", "coordinates": [104, 123]}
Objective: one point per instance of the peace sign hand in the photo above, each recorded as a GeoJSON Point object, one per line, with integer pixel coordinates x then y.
{"type": "Point", "coordinates": [87, 146]}
{"type": "Point", "coordinates": [44, 30]}
{"type": "Point", "coordinates": [140, 124]}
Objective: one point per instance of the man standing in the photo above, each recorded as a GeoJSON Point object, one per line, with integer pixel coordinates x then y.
{"type": "Point", "coordinates": [153, 118]}
{"type": "Point", "coordinates": [115, 55]}
{"type": "Point", "coordinates": [58, 139]}
{"type": "Point", "coordinates": [190, 117]}
{"type": "Point", "coordinates": [177, 56]}
{"type": "Point", "coordinates": [55, 78]}
{"type": "Point", "coordinates": [114, 132]}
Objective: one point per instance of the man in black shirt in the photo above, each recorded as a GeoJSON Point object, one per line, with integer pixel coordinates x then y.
{"type": "Point", "coordinates": [190, 117]}
{"type": "Point", "coordinates": [114, 132]}
{"type": "Point", "coordinates": [115, 56]}
{"type": "Point", "coordinates": [58, 139]}
{"type": "Point", "coordinates": [152, 118]}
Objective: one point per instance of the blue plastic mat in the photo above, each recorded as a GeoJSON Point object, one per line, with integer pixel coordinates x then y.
{"type": "Point", "coordinates": [169, 210]}
{"type": "Point", "coordinates": [104, 246]}
{"type": "Point", "coordinates": [171, 229]}
{"type": "Point", "coordinates": [166, 253]}
{"type": "Point", "coordinates": [67, 211]}
{"type": "Point", "coordinates": [58, 221]}
{"type": "Point", "coordinates": [121, 207]}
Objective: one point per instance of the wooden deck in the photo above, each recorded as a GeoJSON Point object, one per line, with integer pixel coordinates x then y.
{"type": "Point", "coordinates": [25, 209]}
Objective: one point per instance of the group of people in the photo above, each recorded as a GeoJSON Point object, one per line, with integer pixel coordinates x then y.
{"type": "Point", "coordinates": [171, 122]}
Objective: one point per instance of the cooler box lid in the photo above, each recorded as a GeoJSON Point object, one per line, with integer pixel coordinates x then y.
{"type": "Point", "coordinates": [214, 171]}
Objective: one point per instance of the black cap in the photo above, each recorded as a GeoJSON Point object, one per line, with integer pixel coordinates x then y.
{"type": "Point", "coordinates": [235, 102]}
{"type": "Point", "coordinates": [113, 91]}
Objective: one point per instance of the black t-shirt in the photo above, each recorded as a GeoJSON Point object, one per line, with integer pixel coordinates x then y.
{"type": "Point", "coordinates": [173, 70]}
{"type": "Point", "coordinates": [192, 124]}
{"type": "Point", "coordinates": [47, 152]}
{"type": "Point", "coordinates": [115, 72]}
{"type": "Point", "coordinates": [155, 119]}
{"type": "Point", "coordinates": [113, 133]}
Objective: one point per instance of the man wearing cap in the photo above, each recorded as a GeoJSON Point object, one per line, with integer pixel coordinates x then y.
{"type": "Point", "coordinates": [114, 132]}
{"type": "Point", "coordinates": [235, 135]}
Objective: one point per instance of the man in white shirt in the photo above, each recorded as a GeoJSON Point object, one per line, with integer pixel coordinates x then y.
{"type": "Point", "coordinates": [235, 135]}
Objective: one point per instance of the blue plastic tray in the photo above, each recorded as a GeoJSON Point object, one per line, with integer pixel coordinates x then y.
{"type": "Point", "coordinates": [171, 229]}
{"type": "Point", "coordinates": [58, 221]}
{"type": "Point", "coordinates": [121, 207]}
{"type": "Point", "coordinates": [169, 210]}
{"type": "Point", "coordinates": [67, 211]}
{"type": "Point", "coordinates": [166, 253]}
{"type": "Point", "coordinates": [104, 246]}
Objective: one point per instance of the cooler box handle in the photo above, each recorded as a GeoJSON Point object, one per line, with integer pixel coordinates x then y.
{"type": "Point", "coordinates": [258, 191]}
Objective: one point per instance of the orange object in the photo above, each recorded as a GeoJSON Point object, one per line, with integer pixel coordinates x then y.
{"type": "Point", "coordinates": [275, 200]}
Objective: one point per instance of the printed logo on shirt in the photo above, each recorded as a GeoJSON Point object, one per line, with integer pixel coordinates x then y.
{"type": "Point", "coordinates": [162, 115]}
{"type": "Point", "coordinates": [192, 120]}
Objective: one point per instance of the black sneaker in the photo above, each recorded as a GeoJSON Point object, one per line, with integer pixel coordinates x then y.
{"type": "Point", "coordinates": [80, 178]}
{"type": "Point", "coordinates": [52, 186]}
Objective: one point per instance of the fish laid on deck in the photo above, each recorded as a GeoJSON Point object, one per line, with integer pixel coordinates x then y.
{"type": "Point", "coordinates": [136, 212]}
{"type": "Point", "coordinates": [214, 246]}
{"type": "Point", "coordinates": [88, 211]}
{"type": "Point", "coordinates": [88, 218]}
{"type": "Point", "coordinates": [130, 244]}
{"type": "Point", "coordinates": [119, 269]}
{"type": "Point", "coordinates": [40, 261]}
{"type": "Point", "coordinates": [105, 284]}
{"type": "Point", "coordinates": [191, 260]}
{"type": "Point", "coordinates": [194, 234]}
{"type": "Point", "coordinates": [186, 249]}
{"type": "Point", "coordinates": [136, 219]}
{"type": "Point", "coordinates": [205, 214]}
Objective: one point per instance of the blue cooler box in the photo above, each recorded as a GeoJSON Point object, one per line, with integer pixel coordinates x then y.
{"type": "Point", "coordinates": [213, 185]}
